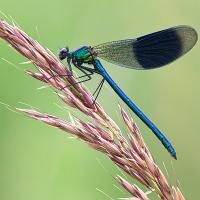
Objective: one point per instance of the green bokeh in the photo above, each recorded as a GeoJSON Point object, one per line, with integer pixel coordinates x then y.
{"type": "Point", "coordinates": [40, 162]}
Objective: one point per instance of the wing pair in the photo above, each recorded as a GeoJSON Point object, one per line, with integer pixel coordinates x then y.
{"type": "Point", "coordinates": [150, 51]}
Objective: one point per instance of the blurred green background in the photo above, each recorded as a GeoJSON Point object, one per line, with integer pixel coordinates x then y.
{"type": "Point", "coordinates": [40, 162]}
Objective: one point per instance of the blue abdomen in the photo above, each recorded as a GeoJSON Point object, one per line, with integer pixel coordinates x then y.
{"type": "Point", "coordinates": [135, 109]}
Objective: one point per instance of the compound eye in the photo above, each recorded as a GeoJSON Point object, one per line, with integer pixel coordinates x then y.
{"type": "Point", "coordinates": [63, 53]}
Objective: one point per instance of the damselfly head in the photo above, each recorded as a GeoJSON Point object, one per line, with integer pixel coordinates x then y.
{"type": "Point", "coordinates": [64, 53]}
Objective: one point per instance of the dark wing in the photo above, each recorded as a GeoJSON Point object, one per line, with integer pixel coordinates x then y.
{"type": "Point", "coordinates": [150, 51]}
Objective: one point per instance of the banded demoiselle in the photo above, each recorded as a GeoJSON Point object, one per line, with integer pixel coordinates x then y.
{"type": "Point", "coordinates": [147, 52]}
